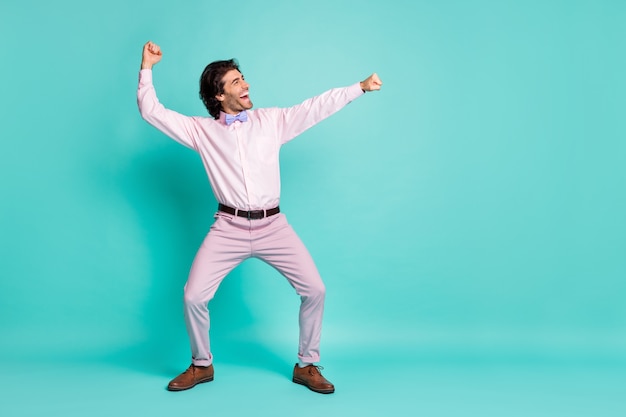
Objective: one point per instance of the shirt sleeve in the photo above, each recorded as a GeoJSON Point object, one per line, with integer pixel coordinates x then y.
{"type": "Point", "coordinates": [181, 128]}
{"type": "Point", "coordinates": [296, 119]}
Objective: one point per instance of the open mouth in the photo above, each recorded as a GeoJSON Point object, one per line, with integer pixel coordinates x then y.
{"type": "Point", "coordinates": [245, 96]}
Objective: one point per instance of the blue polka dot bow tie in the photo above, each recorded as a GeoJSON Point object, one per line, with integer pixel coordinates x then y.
{"type": "Point", "coordinates": [242, 117]}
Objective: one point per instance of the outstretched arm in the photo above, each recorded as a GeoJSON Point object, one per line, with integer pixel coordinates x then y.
{"type": "Point", "coordinates": [296, 119]}
{"type": "Point", "coordinates": [372, 83]}
{"type": "Point", "coordinates": [151, 55]}
{"type": "Point", "coordinates": [175, 125]}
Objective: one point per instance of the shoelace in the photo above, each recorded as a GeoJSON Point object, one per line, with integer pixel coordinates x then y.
{"type": "Point", "coordinates": [317, 368]}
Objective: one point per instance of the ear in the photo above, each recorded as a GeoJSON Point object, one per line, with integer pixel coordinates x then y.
{"type": "Point", "coordinates": [220, 97]}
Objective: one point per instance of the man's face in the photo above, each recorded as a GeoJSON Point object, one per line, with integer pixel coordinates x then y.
{"type": "Point", "coordinates": [235, 97]}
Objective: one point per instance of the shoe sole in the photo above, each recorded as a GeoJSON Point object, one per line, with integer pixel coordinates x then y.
{"type": "Point", "coordinates": [190, 386]}
{"type": "Point", "coordinates": [319, 391]}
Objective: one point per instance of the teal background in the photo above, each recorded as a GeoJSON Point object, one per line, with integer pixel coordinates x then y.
{"type": "Point", "coordinates": [474, 253]}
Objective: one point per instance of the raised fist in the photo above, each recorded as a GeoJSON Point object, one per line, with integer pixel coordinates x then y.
{"type": "Point", "coordinates": [371, 83]}
{"type": "Point", "coordinates": [151, 55]}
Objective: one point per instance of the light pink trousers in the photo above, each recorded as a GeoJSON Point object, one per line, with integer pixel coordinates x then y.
{"type": "Point", "coordinates": [230, 241]}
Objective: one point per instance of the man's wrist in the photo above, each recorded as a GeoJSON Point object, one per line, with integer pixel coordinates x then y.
{"type": "Point", "coordinates": [146, 65]}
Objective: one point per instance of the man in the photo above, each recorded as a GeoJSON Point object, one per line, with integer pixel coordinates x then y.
{"type": "Point", "coordinates": [239, 148]}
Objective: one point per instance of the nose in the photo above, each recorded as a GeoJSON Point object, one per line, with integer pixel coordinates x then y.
{"type": "Point", "coordinates": [245, 84]}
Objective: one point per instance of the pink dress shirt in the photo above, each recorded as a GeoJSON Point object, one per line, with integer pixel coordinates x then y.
{"type": "Point", "coordinates": [241, 159]}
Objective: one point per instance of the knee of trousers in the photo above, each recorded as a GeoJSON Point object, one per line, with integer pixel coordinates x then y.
{"type": "Point", "coordinates": [196, 298]}
{"type": "Point", "coordinates": [314, 292]}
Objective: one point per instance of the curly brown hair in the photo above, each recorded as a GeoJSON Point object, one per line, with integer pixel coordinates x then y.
{"type": "Point", "coordinates": [212, 84]}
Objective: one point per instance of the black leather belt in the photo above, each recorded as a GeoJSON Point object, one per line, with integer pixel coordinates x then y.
{"type": "Point", "coordinates": [250, 215]}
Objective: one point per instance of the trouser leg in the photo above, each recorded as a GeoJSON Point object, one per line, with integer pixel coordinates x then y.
{"type": "Point", "coordinates": [223, 249]}
{"type": "Point", "coordinates": [281, 248]}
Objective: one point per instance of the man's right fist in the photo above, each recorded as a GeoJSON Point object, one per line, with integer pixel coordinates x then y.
{"type": "Point", "coordinates": [151, 55]}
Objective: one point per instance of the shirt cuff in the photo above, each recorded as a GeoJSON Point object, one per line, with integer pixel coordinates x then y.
{"type": "Point", "coordinates": [145, 76]}
{"type": "Point", "coordinates": [355, 91]}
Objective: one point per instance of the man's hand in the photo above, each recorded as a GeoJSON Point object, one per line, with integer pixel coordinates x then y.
{"type": "Point", "coordinates": [371, 83]}
{"type": "Point", "coordinates": [151, 55]}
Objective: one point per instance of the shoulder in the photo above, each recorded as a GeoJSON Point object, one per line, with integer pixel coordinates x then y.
{"type": "Point", "coordinates": [208, 120]}
{"type": "Point", "coordinates": [265, 113]}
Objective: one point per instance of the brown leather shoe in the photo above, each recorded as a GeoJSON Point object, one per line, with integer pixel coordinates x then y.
{"type": "Point", "coordinates": [311, 377]}
{"type": "Point", "coordinates": [193, 376]}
